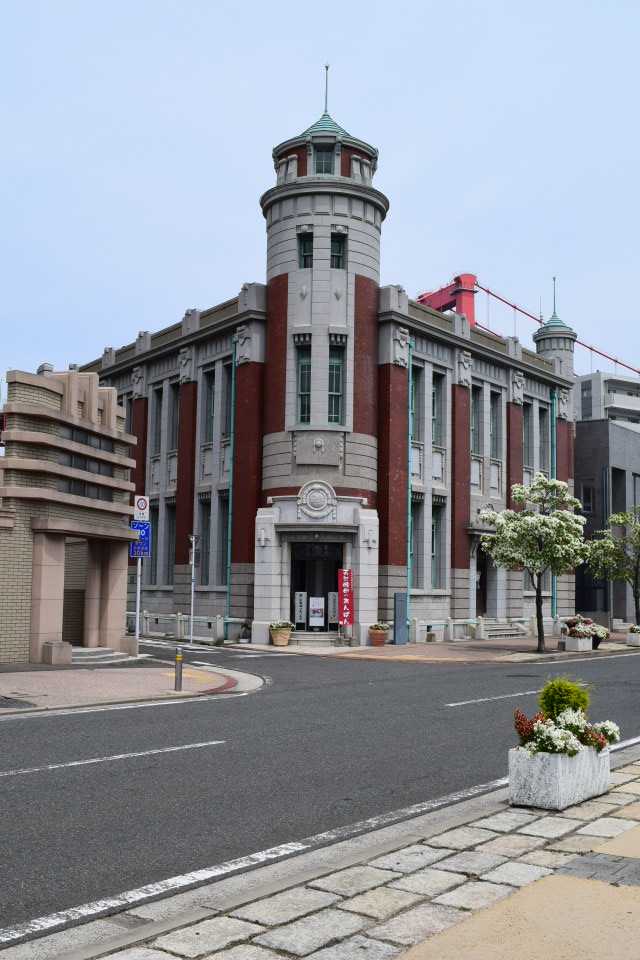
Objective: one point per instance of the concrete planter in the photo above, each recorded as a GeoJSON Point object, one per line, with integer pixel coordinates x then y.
{"type": "Point", "coordinates": [554, 781]}
{"type": "Point", "coordinates": [578, 644]}
{"type": "Point", "coordinates": [280, 637]}
{"type": "Point", "coordinates": [633, 639]}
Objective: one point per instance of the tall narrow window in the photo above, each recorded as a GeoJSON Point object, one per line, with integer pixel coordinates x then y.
{"type": "Point", "coordinates": [476, 395]}
{"type": "Point", "coordinates": [228, 389]}
{"type": "Point", "coordinates": [337, 251]}
{"type": "Point", "coordinates": [157, 420]}
{"type": "Point", "coordinates": [543, 438]}
{"type": "Point", "coordinates": [437, 411]}
{"type": "Point", "coordinates": [170, 543]}
{"type": "Point", "coordinates": [336, 355]}
{"type": "Point", "coordinates": [209, 405]}
{"type": "Point", "coordinates": [175, 416]}
{"type": "Point", "coordinates": [527, 448]}
{"type": "Point", "coordinates": [324, 160]}
{"type": "Point", "coordinates": [153, 536]}
{"type": "Point", "coordinates": [223, 540]}
{"type": "Point", "coordinates": [305, 248]}
{"type": "Point", "coordinates": [417, 403]}
{"type": "Point", "coordinates": [304, 384]}
{"type": "Point", "coordinates": [205, 541]}
{"type": "Point", "coordinates": [415, 544]}
{"type": "Point", "coordinates": [494, 426]}
{"type": "Point", "coordinates": [435, 547]}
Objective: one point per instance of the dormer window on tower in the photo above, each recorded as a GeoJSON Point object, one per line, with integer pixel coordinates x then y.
{"type": "Point", "coordinates": [305, 249]}
{"type": "Point", "coordinates": [323, 159]}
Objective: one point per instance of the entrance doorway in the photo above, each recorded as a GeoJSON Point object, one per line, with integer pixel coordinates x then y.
{"type": "Point", "coordinates": [314, 571]}
{"type": "Point", "coordinates": [481, 584]}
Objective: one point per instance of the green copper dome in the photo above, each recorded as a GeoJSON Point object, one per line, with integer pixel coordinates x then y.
{"type": "Point", "coordinates": [325, 125]}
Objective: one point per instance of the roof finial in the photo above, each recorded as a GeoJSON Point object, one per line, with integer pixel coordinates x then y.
{"type": "Point", "coordinates": [326, 86]}
{"type": "Point", "coordinates": [554, 297]}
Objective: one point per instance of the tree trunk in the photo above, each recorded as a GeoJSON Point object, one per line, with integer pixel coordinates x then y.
{"type": "Point", "coordinates": [539, 620]}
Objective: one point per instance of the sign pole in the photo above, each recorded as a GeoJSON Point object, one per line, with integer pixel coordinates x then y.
{"type": "Point", "coordinates": [138, 579]}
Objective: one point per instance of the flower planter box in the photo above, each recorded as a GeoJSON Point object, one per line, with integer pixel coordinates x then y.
{"type": "Point", "coordinates": [554, 781]}
{"type": "Point", "coordinates": [378, 637]}
{"type": "Point", "coordinates": [280, 637]}
{"type": "Point", "coordinates": [633, 639]}
{"type": "Point", "coordinates": [578, 644]}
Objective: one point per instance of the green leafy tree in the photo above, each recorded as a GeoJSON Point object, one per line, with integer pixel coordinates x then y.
{"type": "Point", "coordinates": [545, 535]}
{"type": "Point", "coordinates": [615, 555]}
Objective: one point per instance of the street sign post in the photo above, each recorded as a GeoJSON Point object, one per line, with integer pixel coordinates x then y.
{"type": "Point", "coordinates": [140, 548]}
{"type": "Point", "coordinates": [141, 508]}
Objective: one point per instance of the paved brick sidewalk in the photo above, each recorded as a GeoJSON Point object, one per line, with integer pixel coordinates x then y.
{"type": "Point", "coordinates": [421, 887]}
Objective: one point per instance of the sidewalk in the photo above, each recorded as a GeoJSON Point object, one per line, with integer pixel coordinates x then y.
{"type": "Point", "coordinates": [473, 880]}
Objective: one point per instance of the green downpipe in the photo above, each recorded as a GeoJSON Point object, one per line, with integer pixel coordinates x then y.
{"type": "Point", "coordinates": [410, 437]}
{"type": "Point", "coordinates": [554, 580]}
{"type": "Point", "coordinates": [230, 518]}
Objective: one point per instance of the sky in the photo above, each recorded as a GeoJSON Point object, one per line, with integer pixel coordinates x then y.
{"type": "Point", "coordinates": [138, 136]}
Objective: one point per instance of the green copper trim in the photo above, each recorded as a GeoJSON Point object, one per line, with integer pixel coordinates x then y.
{"type": "Point", "coordinates": [326, 125]}
{"type": "Point", "coordinates": [554, 320]}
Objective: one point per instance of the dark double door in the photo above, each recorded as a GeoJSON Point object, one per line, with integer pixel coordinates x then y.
{"type": "Point", "coordinates": [314, 571]}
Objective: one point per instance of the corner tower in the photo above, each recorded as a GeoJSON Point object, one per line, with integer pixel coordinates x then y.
{"type": "Point", "coordinates": [324, 219]}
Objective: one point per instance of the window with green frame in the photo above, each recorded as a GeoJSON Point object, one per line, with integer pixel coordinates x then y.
{"type": "Point", "coordinates": [415, 541]}
{"type": "Point", "coordinates": [476, 400]}
{"type": "Point", "coordinates": [437, 409]}
{"type": "Point", "coordinates": [205, 541]}
{"type": "Point", "coordinates": [494, 426]}
{"type": "Point", "coordinates": [416, 402]}
{"type": "Point", "coordinates": [174, 421]}
{"type": "Point", "coordinates": [435, 547]}
{"type": "Point", "coordinates": [209, 404]}
{"type": "Point", "coordinates": [304, 384]}
{"type": "Point", "coordinates": [337, 251]}
{"type": "Point", "coordinates": [157, 420]}
{"type": "Point", "coordinates": [305, 249]}
{"type": "Point", "coordinates": [527, 458]}
{"type": "Point", "coordinates": [336, 357]}
{"type": "Point", "coordinates": [323, 159]}
{"type": "Point", "coordinates": [170, 541]}
{"type": "Point", "coordinates": [543, 438]}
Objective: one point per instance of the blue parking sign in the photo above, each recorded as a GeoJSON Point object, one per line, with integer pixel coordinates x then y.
{"type": "Point", "coordinates": [142, 546]}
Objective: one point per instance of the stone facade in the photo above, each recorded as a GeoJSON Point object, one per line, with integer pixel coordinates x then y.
{"type": "Point", "coordinates": [64, 512]}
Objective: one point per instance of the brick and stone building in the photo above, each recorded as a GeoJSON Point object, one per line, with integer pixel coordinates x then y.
{"type": "Point", "coordinates": [64, 517]}
{"type": "Point", "coordinates": [281, 418]}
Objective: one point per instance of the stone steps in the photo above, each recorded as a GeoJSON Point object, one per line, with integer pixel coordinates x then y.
{"type": "Point", "coordinates": [306, 639]}
{"type": "Point", "coordinates": [91, 655]}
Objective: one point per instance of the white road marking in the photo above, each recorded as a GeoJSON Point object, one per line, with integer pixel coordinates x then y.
{"type": "Point", "coordinates": [503, 696]}
{"type": "Point", "coordinates": [115, 756]}
{"type": "Point", "coordinates": [624, 743]}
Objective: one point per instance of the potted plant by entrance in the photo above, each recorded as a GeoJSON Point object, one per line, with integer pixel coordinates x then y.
{"type": "Point", "coordinates": [633, 637]}
{"type": "Point", "coordinates": [280, 631]}
{"type": "Point", "coordinates": [378, 633]}
{"type": "Point", "coordinates": [562, 758]}
{"type": "Point", "coordinates": [583, 628]}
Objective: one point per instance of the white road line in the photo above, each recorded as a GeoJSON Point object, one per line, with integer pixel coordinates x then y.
{"type": "Point", "coordinates": [503, 696]}
{"type": "Point", "coordinates": [71, 711]}
{"type": "Point", "coordinates": [154, 891]}
{"type": "Point", "coordinates": [624, 743]}
{"type": "Point", "coordinates": [115, 756]}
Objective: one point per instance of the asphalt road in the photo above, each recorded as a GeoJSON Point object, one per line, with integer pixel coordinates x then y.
{"type": "Point", "coordinates": [324, 744]}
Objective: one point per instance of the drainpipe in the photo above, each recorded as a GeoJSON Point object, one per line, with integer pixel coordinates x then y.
{"type": "Point", "coordinates": [554, 580]}
{"type": "Point", "coordinates": [410, 422]}
{"type": "Point", "coordinates": [230, 518]}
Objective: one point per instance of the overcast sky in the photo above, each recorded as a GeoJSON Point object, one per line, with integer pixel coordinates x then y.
{"type": "Point", "coordinates": [137, 138]}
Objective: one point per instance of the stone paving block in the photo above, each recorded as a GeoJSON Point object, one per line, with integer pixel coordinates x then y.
{"type": "Point", "coordinates": [358, 947]}
{"type": "Point", "coordinates": [141, 953]}
{"type": "Point", "coordinates": [618, 778]}
{"type": "Point", "coordinates": [207, 936]}
{"type": "Point", "coordinates": [628, 788]}
{"type": "Point", "coordinates": [511, 845]}
{"type": "Point", "coordinates": [633, 768]}
{"type": "Point", "coordinates": [473, 862]}
{"type": "Point", "coordinates": [507, 821]}
{"type": "Point", "coordinates": [354, 880]}
{"type": "Point", "coordinates": [609, 869]}
{"type": "Point", "coordinates": [590, 810]}
{"type": "Point", "coordinates": [516, 873]}
{"type": "Point", "coordinates": [548, 858]}
{"type": "Point", "coordinates": [620, 797]}
{"type": "Point", "coordinates": [632, 812]}
{"type": "Point", "coordinates": [462, 837]}
{"type": "Point", "coordinates": [411, 858]}
{"type": "Point", "coordinates": [311, 933]}
{"type": "Point", "coordinates": [286, 906]}
{"type": "Point", "coordinates": [607, 827]}
{"type": "Point", "coordinates": [474, 895]}
{"type": "Point", "coordinates": [417, 924]}
{"type": "Point", "coordinates": [428, 882]}
{"type": "Point", "coordinates": [245, 951]}
{"type": "Point", "coordinates": [381, 903]}
{"type": "Point", "coordinates": [575, 844]}
{"type": "Point", "coordinates": [551, 827]}
{"type": "Point", "coordinates": [53, 945]}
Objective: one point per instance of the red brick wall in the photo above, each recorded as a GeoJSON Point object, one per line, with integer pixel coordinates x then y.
{"type": "Point", "coordinates": [345, 161]}
{"type": "Point", "coordinates": [564, 449]}
{"type": "Point", "coordinates": [393, 394]}
{"type": "Point", "coordinates": [186, 468]}
{"type": "Point", "coordinates": [139, 427]}
{"type": "Point", "coordinates": [460, 475]}
{"type": "Point", "coordinates": [247, 459]}
{"type": "Point", "coordinates": [301, 153]}
{"type": "Point", "coordinates": [365, 365]}
{"type": "Point", "coordinates": [514, 451]}
{"type": "Point", "coordinates": [275, 354]}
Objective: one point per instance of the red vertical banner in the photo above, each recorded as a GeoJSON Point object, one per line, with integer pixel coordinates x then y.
{"type": "Point", "coordinates": [345, 597]}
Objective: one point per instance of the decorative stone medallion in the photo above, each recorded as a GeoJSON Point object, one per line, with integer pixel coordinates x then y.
{"type": "Point", "coordinates": [317, 502]}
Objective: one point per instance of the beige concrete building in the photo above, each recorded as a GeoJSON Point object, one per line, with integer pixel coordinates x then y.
{"type": "Point", "coordinates": [64, 517]}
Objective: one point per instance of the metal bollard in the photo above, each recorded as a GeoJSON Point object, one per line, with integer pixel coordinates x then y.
{"type": "Point", "coordinates": [178, 686]}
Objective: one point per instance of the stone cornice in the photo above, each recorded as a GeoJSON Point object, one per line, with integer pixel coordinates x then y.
{"type": "Point", "coordinates": [333, 185]}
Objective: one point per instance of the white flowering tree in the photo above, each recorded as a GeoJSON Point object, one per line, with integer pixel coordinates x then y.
{"type": "Point", "coordinates": [544, 535]}
{"type": "Point", "coordinates": [615, 555]}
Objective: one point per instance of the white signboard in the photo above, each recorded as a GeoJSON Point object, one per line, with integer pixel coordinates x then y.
{"type": "Point", "coordinates": [316, 611]}
{"type": "Point", "coordinates": [141, 508]}
{"type": "Point", "coordinates": [333, 607]}
{"type": "Point", "coordinates": [300, 607]}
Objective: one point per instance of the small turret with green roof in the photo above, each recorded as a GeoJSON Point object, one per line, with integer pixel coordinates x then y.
{"type": "Point", "coordinates": [556, 339]}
